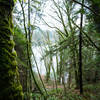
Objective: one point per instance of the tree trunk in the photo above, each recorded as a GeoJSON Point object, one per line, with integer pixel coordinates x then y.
{"type": "Point", "coordinates": [10, 88]}
{"type": "Point", "coordinates": [80, 52]}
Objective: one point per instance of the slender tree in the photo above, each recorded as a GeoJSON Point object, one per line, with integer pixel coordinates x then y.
{"type": "Point", "coordinates": [80, 51]}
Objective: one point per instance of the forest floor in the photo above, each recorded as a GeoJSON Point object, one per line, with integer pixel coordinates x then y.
{"type": "Point", "coordinates": [53, 86]}
{"type": "Point", "coordinates": [91, 92]}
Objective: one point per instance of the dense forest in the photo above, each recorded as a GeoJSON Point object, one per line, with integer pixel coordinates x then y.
{"type": "Point", "coordinates": [49, 49]}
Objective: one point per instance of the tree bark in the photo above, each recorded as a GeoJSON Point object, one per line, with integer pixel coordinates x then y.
{"type": "Point", "coordinates": [80, 52]}
{"type": "Point", "coordinates": [10, 88]}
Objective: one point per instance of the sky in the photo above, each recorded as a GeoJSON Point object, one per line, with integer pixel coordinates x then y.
{"type": "Point", "coordinates": [47, 11]}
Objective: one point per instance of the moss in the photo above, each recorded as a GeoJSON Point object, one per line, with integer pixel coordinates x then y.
{"type": "Point", "coordinates": [11, 73]}
{"type": "Point", "coordinates": [14, 92]}
{"type": "Point", "coordinates": [10, 88]}
{"type": "Point", "coordinates": [6, 53]}
{"type": "Point", "coordinates": [14, 53]}
{"type": "Point", "coordinates": [14, 63]}
{"type": "Point", "coordinates": [8, 44]}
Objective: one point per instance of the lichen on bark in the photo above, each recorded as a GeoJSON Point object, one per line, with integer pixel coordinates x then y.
{"type": "Point", "coordinates": [10, 88]}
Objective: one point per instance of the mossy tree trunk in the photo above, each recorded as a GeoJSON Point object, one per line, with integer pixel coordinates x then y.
{"type": "Point", "coordinates": [10, 88]}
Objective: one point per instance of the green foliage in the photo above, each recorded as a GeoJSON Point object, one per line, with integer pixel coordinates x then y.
{"type": "Point", "coordinates": [66, 47]}
{"type": "Point", "coordinates": [53, 98]}
{"type": "Point", "coordinates": [19, 37]}
{"type": "Point", "coordinates": [92, 91]}
{"type": "Point", "coordinates": [96, 1]}
{"type": "Point", "coordinates": [20, 46]}
{"type": "Point", "coordinates": [15, 1]}
{"type": "Point", "coordinates": [54, 92]}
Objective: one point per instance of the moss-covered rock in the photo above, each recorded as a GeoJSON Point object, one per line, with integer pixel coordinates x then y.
{"type": "Point", "coordinates": [10, 88]}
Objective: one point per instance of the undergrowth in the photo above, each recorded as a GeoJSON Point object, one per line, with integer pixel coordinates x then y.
{"type": "Point", "coordinates": [91, 92]}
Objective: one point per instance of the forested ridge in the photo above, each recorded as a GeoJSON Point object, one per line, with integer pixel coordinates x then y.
{"type": "Point", "coordinates": [49, 49]}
